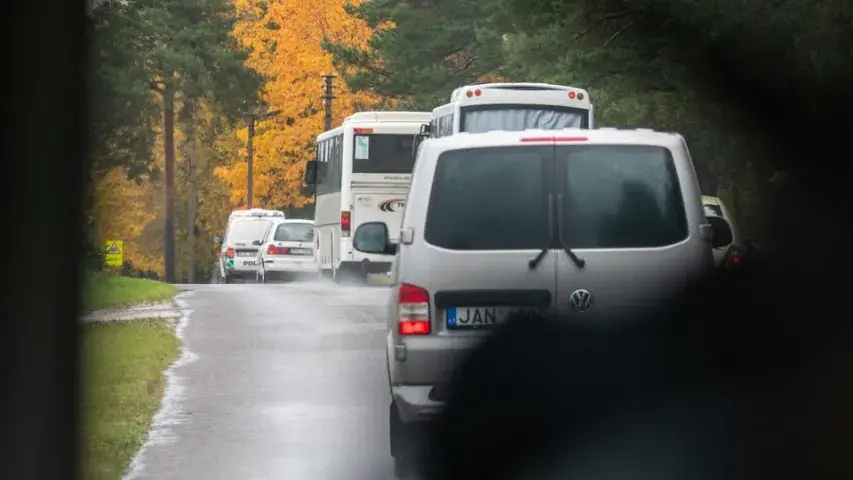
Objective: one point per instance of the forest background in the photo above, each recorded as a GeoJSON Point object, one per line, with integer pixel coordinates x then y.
{"type": "Point", "coordinates": [172, 81]}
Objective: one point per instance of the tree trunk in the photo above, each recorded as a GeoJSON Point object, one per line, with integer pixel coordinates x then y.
{"type": "Point", "coordinates": [169, 147]}
{"type": "Point", "coordinates": [191, 202]}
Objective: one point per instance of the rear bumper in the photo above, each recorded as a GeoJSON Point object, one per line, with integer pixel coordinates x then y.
{"type": "Point", "coordinates": [291, 265]}
{"type": "Point", "coordinates": [414, 403]}
{"type": "Point", "coordinates": [241, 273]}
{"type": "Point", "coordinates": [366, 266]}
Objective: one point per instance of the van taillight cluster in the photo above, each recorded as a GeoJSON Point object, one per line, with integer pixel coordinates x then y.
{"type": "Point", "coordinates": [413, 306]}
{"type": "Point", "coordinates": [345, 224]}
{"type": "Point", "coordinates": [229, 252]}
{"type": "Point", "coordinates": [274, 250]}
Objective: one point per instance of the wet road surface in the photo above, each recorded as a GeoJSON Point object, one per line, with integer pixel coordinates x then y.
{"type": "Point", "coordinates": [278, 381]}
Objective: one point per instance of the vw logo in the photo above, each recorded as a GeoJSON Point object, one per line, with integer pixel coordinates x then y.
{"type": "Point", "coordinates": [581, 300]}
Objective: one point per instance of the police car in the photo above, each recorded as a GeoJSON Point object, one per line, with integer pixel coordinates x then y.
{"type": "Point", "coordinates": [287, 250]}
{"type": "Point", "coordinates": [239, 248]}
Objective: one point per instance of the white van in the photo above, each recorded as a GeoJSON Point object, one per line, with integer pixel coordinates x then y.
{"type": "Point", "coordinates": [595, 225]}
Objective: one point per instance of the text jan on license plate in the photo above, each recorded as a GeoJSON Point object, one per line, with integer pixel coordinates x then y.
{"type": "Point", "coordinates": [475, 317]}
{"type": "Point", "coordinates": [246, 254]}
{"type": "Point", "coordinates": [300, 251]}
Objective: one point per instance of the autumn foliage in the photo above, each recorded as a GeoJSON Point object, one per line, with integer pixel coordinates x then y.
{"type": "Point", "coordinates": [285, 39]}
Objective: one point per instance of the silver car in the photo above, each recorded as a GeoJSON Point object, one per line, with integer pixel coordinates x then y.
{"type": "Point", "coordinates": [591, 224]}
{"type": "Point", "coordinates": [287, 250]}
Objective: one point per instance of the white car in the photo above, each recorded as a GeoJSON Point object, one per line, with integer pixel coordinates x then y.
{"type": "Point", "coordinates": [715, 207]}
{"type": "Point", "coordinates": [287, 250]}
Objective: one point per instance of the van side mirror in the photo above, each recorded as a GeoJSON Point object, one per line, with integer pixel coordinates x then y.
{"type": "Point", "coordinates": [311, 172]}
{"type": "Point", "coordinates": [372, 237]}
{"type": "Point", "coordinates": [721, 232]}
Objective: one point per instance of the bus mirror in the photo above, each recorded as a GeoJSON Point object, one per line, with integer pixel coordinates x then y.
{"type": "Point", "coordinates": [311, 171]}
{"type": "Point", "coordinates": [425, 130]}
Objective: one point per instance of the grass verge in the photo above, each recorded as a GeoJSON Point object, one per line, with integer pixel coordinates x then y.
{"type": "Point", "coordinates": [122, 384]}
{"type": "Point", "coordinates": [106, 291]}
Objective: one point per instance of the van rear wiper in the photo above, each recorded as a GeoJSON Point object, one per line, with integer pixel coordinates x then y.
{"type": "Point", "coordinates": [532, 264]}
{"type": "Point", "coordinates": [578, 261]}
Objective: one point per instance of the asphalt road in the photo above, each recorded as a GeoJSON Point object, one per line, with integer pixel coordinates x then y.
{"type": "Point", "coordinates": [279, 381]}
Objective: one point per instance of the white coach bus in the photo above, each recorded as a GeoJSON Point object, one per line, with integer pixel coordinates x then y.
{"type": "Point", "coordinates": [511, 106]}
{"type": "Point", "coordinates": [362, 174]}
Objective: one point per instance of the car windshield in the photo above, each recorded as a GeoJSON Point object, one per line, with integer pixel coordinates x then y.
{"type": "Point", "coordinates": [294, 232]}
{"type": "Point", "coordinates": [248, 230]}
{"type": "Point", "coordinates": [619, 196]}
{"type": "Point", "coordinates": [489, 199]}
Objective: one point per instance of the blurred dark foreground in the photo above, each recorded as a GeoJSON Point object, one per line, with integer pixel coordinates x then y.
{"type": "Point", "coordinates": [741, 377]}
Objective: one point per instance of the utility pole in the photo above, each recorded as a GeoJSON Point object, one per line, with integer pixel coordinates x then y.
{"type": "Point", "coordinates": [328, 96]}
{"type": "Point", "coordinates": [169, 146]}
{"type": "Point", "coordinates": [192, 203]}
{"type": "Point", "coordinates": [251, 118]}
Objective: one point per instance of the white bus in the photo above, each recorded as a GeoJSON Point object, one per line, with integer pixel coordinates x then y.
{"type": "Point", "coordinates": [362, 174]}
{"type": "Point", "coordinates": [512, 106]}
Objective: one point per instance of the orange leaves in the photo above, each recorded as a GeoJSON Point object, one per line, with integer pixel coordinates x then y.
{"type": "Point", "coordinates": [125, 210]}
{"type": "Point", "coordinates": [285, 37]}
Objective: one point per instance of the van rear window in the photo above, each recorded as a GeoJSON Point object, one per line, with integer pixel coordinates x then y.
{"type": "Point", "coordinates": [489, 199]}
{"type": "Point", "coordinates": [620, 196]}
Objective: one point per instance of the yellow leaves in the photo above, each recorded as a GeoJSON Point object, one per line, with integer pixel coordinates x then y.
{"type": "Point", "coordinates": [124, 210]}
{"type": "Point", "coordinates": [286, 42]}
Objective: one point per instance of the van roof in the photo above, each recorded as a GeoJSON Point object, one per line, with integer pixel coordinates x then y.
{"type": "Point", "coordinates": [640, 136]}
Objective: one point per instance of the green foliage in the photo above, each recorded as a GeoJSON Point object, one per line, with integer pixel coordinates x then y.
{"type": "Point", "coordinates": [622, 52]}
{"type": "Point", "coordinates": [141, 47]}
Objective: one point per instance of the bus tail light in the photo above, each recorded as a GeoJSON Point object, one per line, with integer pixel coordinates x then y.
{"type": "Point", "coordinates": [413, 310]}
{"type": "Point", "coordinates": [345, 224]}
{"type": "Point", "coordinates": [572, 94]}
{"type": "Point", "coordinates": [229, 252]}
{"type": "Point", "coordinates": [477, 92]}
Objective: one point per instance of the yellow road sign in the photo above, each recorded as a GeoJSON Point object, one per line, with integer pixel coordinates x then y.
{"type": "Point", "coordinates": [114, 253]}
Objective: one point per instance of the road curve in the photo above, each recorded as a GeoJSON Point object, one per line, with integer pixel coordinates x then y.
{"type": "Point", "coordinates": [278, 381]}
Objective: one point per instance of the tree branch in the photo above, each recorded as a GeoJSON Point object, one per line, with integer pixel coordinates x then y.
{"type": "Point", "coordinates": [608, 17]}
{"type": "Point", "coordinates": [624, 27]}
{"type": "Point", "coordinates": [465, 66]}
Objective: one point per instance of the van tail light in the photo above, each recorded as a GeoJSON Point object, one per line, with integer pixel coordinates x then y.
{"type": "Point", "coordinates": [413, 307]}
{"type": "Point", "coordinates": [274, 250]}
{"type": "Point", "coordinates": [229, 252]}
{"type": "Point", "coordinates": [345, 224]}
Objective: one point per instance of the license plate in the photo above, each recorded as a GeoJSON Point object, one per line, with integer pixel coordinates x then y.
{"type": "Point", "coordinates": [249, 263]}
{"type": "Point", "coordinates": [300, 251]}
{"type": "Point", "coordinates": [479, 317]}
{"type": "Point", "coordinates": [246, 254]}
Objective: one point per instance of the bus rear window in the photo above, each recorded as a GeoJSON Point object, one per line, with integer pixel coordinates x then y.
{"type": "Point", "coordinates": [382, 153]}
{"type": "Point", "coordinates": [488, 118]}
